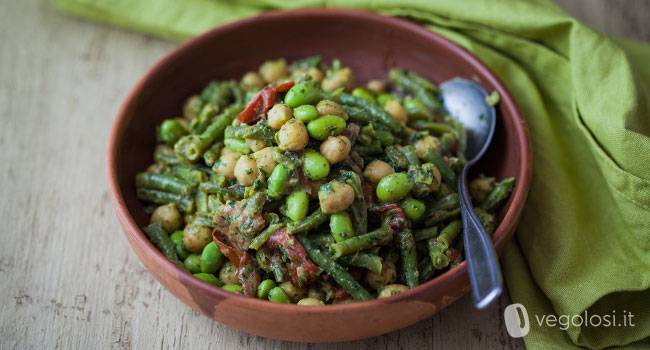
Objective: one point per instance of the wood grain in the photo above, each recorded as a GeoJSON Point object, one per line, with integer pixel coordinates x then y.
{"type": "Point", "coordinates": [68, 278]}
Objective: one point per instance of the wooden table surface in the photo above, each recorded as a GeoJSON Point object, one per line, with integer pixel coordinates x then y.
{"type": "Point", "coordinates": [68, 278]}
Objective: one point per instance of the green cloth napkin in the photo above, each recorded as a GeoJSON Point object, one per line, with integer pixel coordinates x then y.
{"type": "Point", "coordinates": [583, 243]}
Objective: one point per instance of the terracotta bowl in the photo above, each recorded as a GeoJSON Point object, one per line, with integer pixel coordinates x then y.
{"type": "Point", "coordinates": [370, 44]}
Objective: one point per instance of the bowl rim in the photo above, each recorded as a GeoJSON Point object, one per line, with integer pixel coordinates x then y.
{"type": "Point", "coordinates": [135, 235]}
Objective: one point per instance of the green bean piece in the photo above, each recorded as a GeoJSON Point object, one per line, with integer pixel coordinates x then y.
{"type": "Point", "coordinates": [200, 122]}
{"type": "Point", "coordinates": [369, 262]}
{"type": "Point", "coordinates": [410, 155]}
{"type": "Point", "coordinates": [163, 182]}
{"type": "Point", "coordinates": [277, 180]}
{"type": "Point", "coordinates": [426, 269]}
{"type": "Point", "coordinates": [340, 275]}
{"type": "Point", "coordinates": [193, 263]}
{"type": "Point", "coordinates": [167, 159]}
{"type": "Point", "coordinates": [357, 115]}
{"type": "Point", "coordinates": [305, 225]}
{"type": "Point", "coordinates": [437, 216]}
{"type": "Point", "coordinates": [397, 158]}
{"type": "Point", "coordinates": [448, 234]}
{"type": "Point", "coordinates": [161, 197]}
{"type": "Point", "coordinates": [394, 187]}
{"type": "Point", "coordinates": [425, 233]}
{"type": "Point", "coordinates": [212, 154]}
{"type": "Point", "coordinates": [203, 219]}
{"type": "Point", "coordinates": [371, 149]}
{"type": "Point", "coordinates": [432, 127]}
{"type": "Point", "coordinates": [376, 112]}
{"type": "Point", "coordinates": [437, 254]}
{"type": "Point", "coordinates": [264, 288]}
{"type": "Point", "coordinates": [232, 192]}
{"type": "Point", "coordinates": [238, 145]}
{"type": "Point", "coordinates": [413, 208]}
{"type": "Point", "coordinates": [360, 215]}
{"type": "Point", "coordinates": [380, 236]}
{"type": "Point", "coordinates": [177, 239]}
{"type": "Point", "coordinates": [316, 166]}
{"type": "Point", "coordinates": [432, 156]}
{"type": "Point", "coordinates": [201, 201]}
{"type": "Point", "coordinates": [306, 63]}
{"type": "Point", "coordinates": [259, 131]}
{"type": "Point", "coordinates": [297, 205]}
{"type": "Point", "coordinates": [448, 202]}
{"type": "Point", "coordinates": [191, 147]}
{"type": "Point", "coordinates": [170, 131]}
{"type": "Point", "coordinates": [211, 258]}
{"type": "Point", "coordinates": [364, 94]}
{"type": "Point", "coordinates": [409, 258]}
{"type": "Point", "coordinates": [487, 220]}
{"type": "Point", "coordinates": [278, 295]}
{"type": "Point", "coordinates": [326, 126]}
{"type": "Point", "coordinates": [217, 93]}
{"type": "Point", "coordinates": [498, 195]}
{"type": "Point", "coordinates": [341, 226]}
{"type": "Point", "coordinates": [233, 288]}
{"type": "Point", "coordinates": [323, 240]}
{"type": "Point", "coordinates": [207, 277]}
{"type": "Point", "coordinates": [493, 99]}
{"type": "Point", "coordinates": [159, 237]}
{"type": "Point", "coordinates": [418, 86]}
{"type": "Point", "coordinates": [417, 110]}
{"type": "Point", "coordinates": [447, 141]}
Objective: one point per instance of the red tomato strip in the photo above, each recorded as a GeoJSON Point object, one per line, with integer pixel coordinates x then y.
{"type": "Point", "coordinates": [261, 102]}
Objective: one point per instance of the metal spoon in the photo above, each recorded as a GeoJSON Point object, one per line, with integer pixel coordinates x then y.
{"type": "Point", "coordinates": [465, 101]}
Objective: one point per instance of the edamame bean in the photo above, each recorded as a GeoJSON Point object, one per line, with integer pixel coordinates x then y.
{"type": "Point", "coordinates": [276, 182]}
{"type": "Point", "coordinates": [416, 110]}
{"type": "Point", "coordinates": [386, 138]}
{"type": "Point", "coordinates": [382, 99]}
{"type": "Point", "coordinates": [264, 288]}
{"type": "Point", "coordinates": [278, 295]}
{"type": "Point", "coordinates": [413, 208]}
{"type": "Point", "coordinates": [306, 113]}
{"type": "Point", "coordinates": [327, 125]}
{"type": "Point", "coordinates": [193, 263]}
{"type": "Point", "coordinates": [211, 258]}
{"type": "Point", "coordinates": [233, 288]}
{"type": "Point", "coordinates": [341, 226]}
{"type": "Point", "coordinates": [362, 93]}
{"type": "Point", "coordinates": [238, 145]}
{"type": "Point", "coordinates": [394, 187]}
{"type": "Point", "coordinates": [315, 165]}
{"type": "Point", "coordinates": [206, 277]}
{"type": "Point", "coordinates": [177, 239]}
{"type": "Point", "coordinates": [171, 130]}
{"type": "Point", "coordinates": [303, 93]}
{"type": "Point", "coordinates": [297, 205]}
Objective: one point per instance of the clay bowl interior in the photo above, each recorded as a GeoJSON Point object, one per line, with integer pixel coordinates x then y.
{"type": "Point", "coordinates": [370, 44]}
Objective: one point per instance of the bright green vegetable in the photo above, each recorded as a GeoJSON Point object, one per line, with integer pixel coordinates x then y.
{"type": "Point", "coordinates": [264, 236]}
{"type": "Point", "coordinates": [277, 181]}
{"type": "Point", "coordinates": [437, 254]}
{"type": "Point", "coordinates": [394, 187]}
{"type": "Point", "coordinates": [297, 205]}
{"type": "Point", "coordinates": [498, 195]}
{"type": "Point", "coordinates": [278, 295]}
{"type": "Point", "coordinates": [206, 277]}
{"type": "Point", "coordinates": [376, 112]}
{"type": "Point", "coordinates": [370, 262]}
{"type": "Point", "coordinates": [312, 221]}
{"type": "Point", "coordinates": [382, 99]}
{"type": "Point", "coordinates": [193, 263]}
{"type": "Point", "coordinates": [409, 258]}
{"type": "Point", "coordinates": [363, 93]}
{"type": "Point", "coordinates": [233, 288]}
{"type": "Point", "coordinates": [385, 138]}
{"type": "Point", "coordinates": [425, 233]}
{"type": "Point", "coordinates": [163, 182]}
{"type": "Point", "coordinates": [177, 239]}
{"type": "Point", "coordinates": [211, 258]}
{"type": "Point", "coordinates": [264, 288]}
{"type": "Point", "coordinates": [171, 130]}
{"type": "Point", "coordinates": [161, 240]}
{"type": "Point", "coordinates": [448, 234]}
{"type": "Point", "coordinates": [413, 208]}
{"type": "Point", "coordinates": [238, 145]}
{"type": "Point", "coordinates": [380, 236]}
{"type": "Point", "coordinates": [315, 165]}
{"type": "Point", "coordinates": [325, 126]}
{"type": "Point", "coordinates": [306, 113]}
{"type": "Point", "coordinates": [341, 226]}
{"type": "Point", "coordinates": [191, 147]}
{"type": "Point", "coordinates": [302, 93]}
{"type": "Point", "coordinates": [416, 110]}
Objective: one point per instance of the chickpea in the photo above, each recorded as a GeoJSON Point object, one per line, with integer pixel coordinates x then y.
{"type": "Point", "coordinates": [246, 170]}
{"type": "Point", "coordinates": [310, 302]}
{"type": "Point", "coordinates": [292, 136]}
{"type": "Point", "coordinates": [388, 275]}
{"type": "Point", "coordinates": [294, 292]}
{"type": "Point", "coordinates": [423, 145]}
{"type": "Point", "coordinates": [335, 196]}
{"type": "Point", "coordinates": [395, 109]}
{"type": "Point", "coordinates": [340, 78]}
{"type": "Point", "coordinates": [272, 71]}
{"type": "Point", "coordinates": [228, 274]}
{"type": "Point", "coordinates": [278, 115]}
{"type": "Point", "coordinates": [256, 145]}
{"type": "Point", "coordinates": [376, 85]}
{"type": "Point", "coordinates": [265, 161]}
{"type": "Point", "coordinates": [335, 148]}
{"type": "Point", "coordinates": [196, 237]}
{"type": "Point", "coordinates": [168, 216]}
{"type": "Point", "coordinates": [315, 73]}
{"type": "Point", "coordinates": [481, 187]}
{"type": "Point", "coordinates": [226, 165]}
{"type": "Point", "coordinates": [251, 81]}
{"type": "Point", "coordinates": [392, 289]}
{"type": "Point", "coordinates": [227, 150]}
{"type": "Point", "coordinates": [327, 107]}
{"type": "Point", "coordinates": [377, 170]}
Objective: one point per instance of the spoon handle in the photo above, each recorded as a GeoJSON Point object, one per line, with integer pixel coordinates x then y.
{"type": "Point", "coordinates": [482, 264]}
